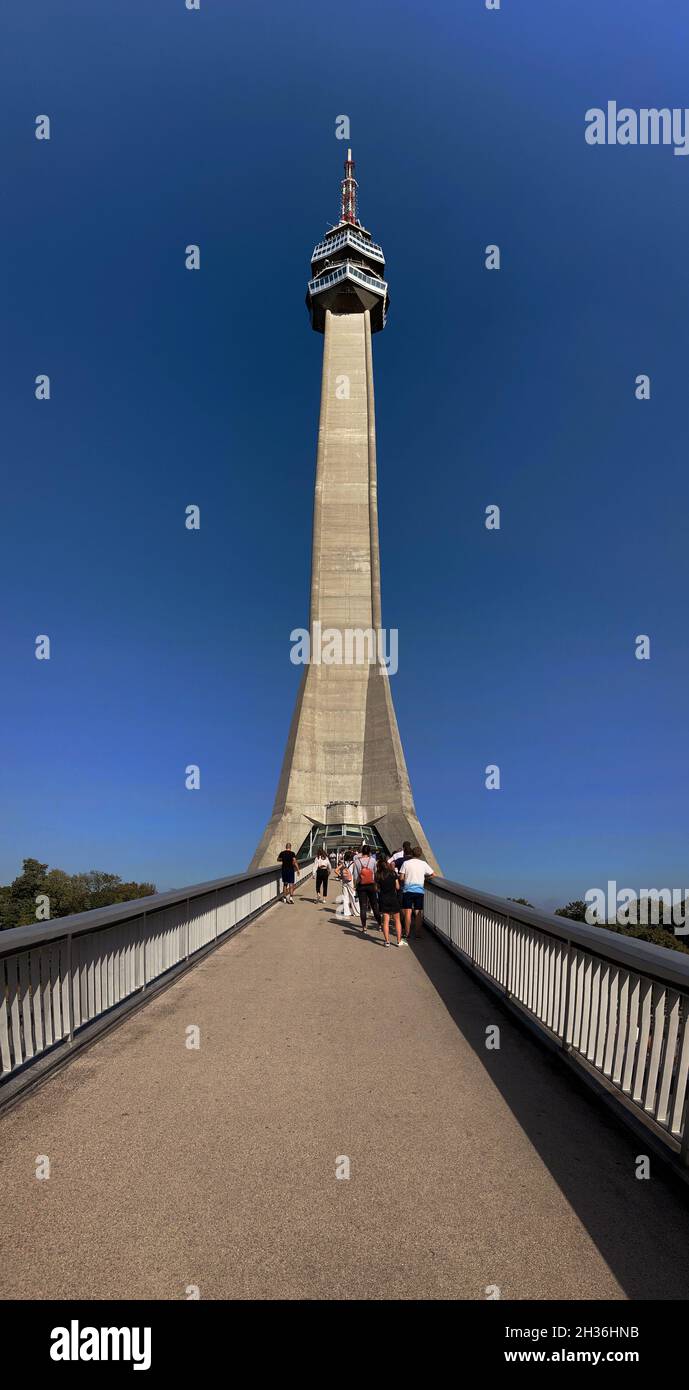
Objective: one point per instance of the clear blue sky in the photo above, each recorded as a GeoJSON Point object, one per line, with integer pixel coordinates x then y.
{"type": "Point", "coordinates": [171, 387]}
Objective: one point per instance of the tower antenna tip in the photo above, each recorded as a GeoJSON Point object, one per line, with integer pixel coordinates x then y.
{"type": "Point", "coordinates": [348, 207]}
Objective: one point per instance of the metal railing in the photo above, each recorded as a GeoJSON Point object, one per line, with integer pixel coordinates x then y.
{"type": "Point", "coordinates": [65, 980]}
{"type": "Point", "coordinates": [348, 238]}
{"type": "Point", "coordinates": [347, 271]}
{"type": "Point", "coordinates": [617, 1007]}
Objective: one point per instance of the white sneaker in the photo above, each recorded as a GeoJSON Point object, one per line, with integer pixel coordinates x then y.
{"type": "Point", "coordinates": [402, 942]}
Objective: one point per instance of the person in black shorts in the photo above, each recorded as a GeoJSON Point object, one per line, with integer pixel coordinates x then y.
{"type": "Point", "coordinates": [389, 899]}
{"type": "Point", "coordinates": [413, 874]}
{"type": "Point", "coordinates": [290, 869]}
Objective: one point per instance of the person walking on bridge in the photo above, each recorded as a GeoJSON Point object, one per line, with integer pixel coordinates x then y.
{"type": "Point", "coordinates": [397, 859]}
{"type": "Point", "coordinates": [345, 873]}
{"type": "Point", "coordinates": [290, 869]}
{"type": "Point", "coordinates": [365, 877]}
{"type": "Point", "coordinates": [322, 872]}
{"type": "Point", "coordinates": [389, 899]}
{"type": "Point", "coordinates": [413, 874]}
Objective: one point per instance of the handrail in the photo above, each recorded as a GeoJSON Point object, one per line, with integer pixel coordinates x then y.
{"type": "Point", "coordinates": [64, 981]}
{"type": "Point", "coordinates": [18, 938]}
{"type": "Point", "coordinates": [617, 1008]}
{"type": "Point", "coordinates": [348, 238]}
{"type": "Point", "coordinates": [342, 272]}
{"type": "Point", "coordinates": [658, 961]}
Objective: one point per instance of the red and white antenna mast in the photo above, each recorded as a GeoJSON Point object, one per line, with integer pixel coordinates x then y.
{"type": "Point", "coordinates": [349, 187]}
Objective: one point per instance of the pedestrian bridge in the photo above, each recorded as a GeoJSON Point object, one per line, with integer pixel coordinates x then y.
{"type": "Point", "coordinates": [210, 1060]}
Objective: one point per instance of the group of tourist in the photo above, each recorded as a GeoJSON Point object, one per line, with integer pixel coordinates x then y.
{"type": "Point", "coordinates": [391, 889]}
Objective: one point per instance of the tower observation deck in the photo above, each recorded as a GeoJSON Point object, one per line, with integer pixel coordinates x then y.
{"type": "Point", "coordinates": [348, 266]}
{"type": "Point", "coordinates": [344, 766]}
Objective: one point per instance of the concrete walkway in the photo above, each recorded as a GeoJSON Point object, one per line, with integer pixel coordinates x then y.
{"type": "Point", "coordinates": [216, 1168]}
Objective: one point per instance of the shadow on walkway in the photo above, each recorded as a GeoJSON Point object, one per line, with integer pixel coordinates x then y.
{"type": "Point", "coordinates": [641, 1228]}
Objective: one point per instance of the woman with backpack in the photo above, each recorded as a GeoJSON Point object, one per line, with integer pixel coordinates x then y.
{"type": "Point", "coordinates": [345, 873]}
{"type": "Point", "coordinates": [365, 877]}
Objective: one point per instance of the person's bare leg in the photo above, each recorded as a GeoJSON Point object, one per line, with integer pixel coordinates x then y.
{"type": "Point", "coordinates": [418, 922]}
{"type": "Point", "coordinates": [386, 927]}
{"type": "Point", "coordinates": [398, 927]}
{"type": "Point", "coordinates": [407, 922]}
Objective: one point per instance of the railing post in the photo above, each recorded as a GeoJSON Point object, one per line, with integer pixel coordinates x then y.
{"type": "Point", "coordinates": [216, 915]}
{"type": "Point", "coordinates": [70, 1003]}
{"type": "Point", "coordinates": [509, 957]}
{"type": "Point", "coordinates": [142, 951]}
{"type": "Point", "coordinates": [473, 933]}
{"type": "Point", "coordinates": [570, 960]}
{"type": "Point", "coordinates": [684, 1151]}
{"type": "Point", "coordinates": [186, 957]}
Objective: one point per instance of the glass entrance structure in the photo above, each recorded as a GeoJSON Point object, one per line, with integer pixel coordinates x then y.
{"type": "Point", "coordinates": [340, 835]}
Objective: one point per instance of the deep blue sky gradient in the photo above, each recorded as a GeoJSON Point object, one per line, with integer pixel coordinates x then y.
{"type": "Point", "coordinates": [170, 387]}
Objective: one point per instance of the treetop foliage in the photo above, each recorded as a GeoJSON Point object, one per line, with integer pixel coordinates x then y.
{"type": "Point", "coordinates": [66, 893]}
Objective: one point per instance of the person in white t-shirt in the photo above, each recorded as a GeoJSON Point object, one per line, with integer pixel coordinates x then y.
{"type": "Point", "coordinates": [397, 859]}
{"type": "Point", "coordinates": [322, 866]}
{"type": "Point", "coordinates": [413, 873]}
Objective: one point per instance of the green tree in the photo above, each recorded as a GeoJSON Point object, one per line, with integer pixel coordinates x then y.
{"type": "Point", "coordinates": [105, 889]}
{"type": "Point", "coordinates": [19, 902]}
{"type": "Point", "coordinates": [30, 881]}
{"type": "Point", "coordinates": [67, 893]}
{"type": "Point", "coordinates": [658, 936]}
{"type": "Point", "coordinates": [5, 907]}
{"type": "Point", "coordinates": [576, 911]}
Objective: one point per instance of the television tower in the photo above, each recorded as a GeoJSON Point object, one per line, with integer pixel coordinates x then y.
{"type": "Point", "coordinates": [344, 776]}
